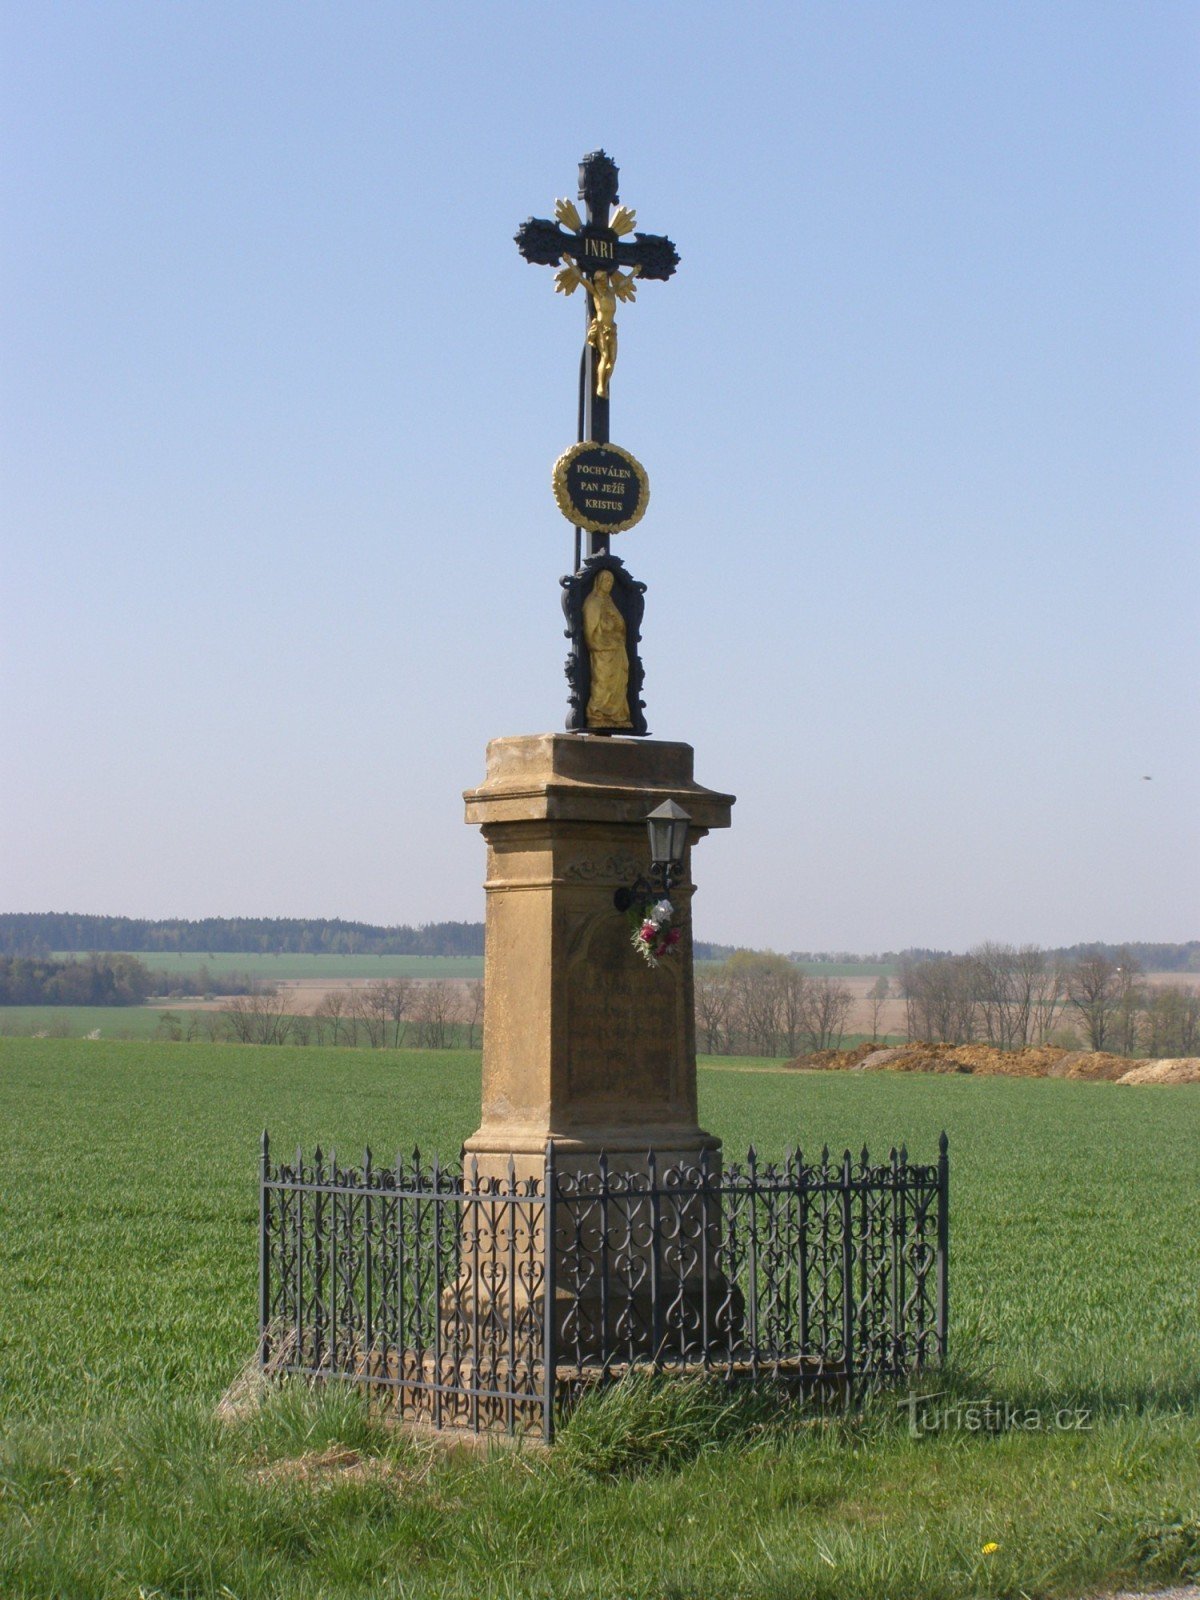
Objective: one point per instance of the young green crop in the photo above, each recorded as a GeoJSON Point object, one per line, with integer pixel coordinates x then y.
{"type": "Point", "coordinates": [128, 1216]}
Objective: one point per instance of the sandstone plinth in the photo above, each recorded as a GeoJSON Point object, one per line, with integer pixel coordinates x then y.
{"type": "Point", "coordinates": [583, 1042]}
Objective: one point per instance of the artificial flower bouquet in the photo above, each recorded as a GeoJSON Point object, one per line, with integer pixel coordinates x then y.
{"type": "Point", "coordinates": [655, 932]}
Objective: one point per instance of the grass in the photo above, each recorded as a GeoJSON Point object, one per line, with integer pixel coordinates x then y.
{"type": "Point", "coordinates": [338, 969]}
{"type": "Point", "coordinates": [127, 1278]}
{"type": "Point", "coordinates": [163, 1021]}
{"type": "Point", "coordinates": [76, 1022]}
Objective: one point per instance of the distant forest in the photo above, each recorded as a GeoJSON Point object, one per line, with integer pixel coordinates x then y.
{"type": "Point", "coordinates": [38, 934]}
{"type": "Point", "coordinates": [1149, 957]}
{"type": "Point", "coordinates": [41, 933]}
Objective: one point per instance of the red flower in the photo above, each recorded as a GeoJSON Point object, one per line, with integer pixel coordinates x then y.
{"type": "Point", "coordinates": [647, 933]}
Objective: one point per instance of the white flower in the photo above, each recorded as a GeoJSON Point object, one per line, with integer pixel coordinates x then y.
{"type": "Point", "coordinates": [661, 912]}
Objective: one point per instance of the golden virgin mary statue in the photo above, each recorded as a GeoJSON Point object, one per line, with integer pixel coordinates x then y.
{"type": "Point", "coordinates": [604, 635]}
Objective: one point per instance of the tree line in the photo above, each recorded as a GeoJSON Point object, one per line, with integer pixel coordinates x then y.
{"type": "Point", "coordinates": [100, 980]}
{"type": "Point", "coordinates": [762, 1004]}
{"type": "Point", "coordinates": [105, 978]}
{"type": "Point", "coordinates": [385, 1015]}
{"type": "Point", "coordinates": [1012, 997]}
{"type": "Point", "coordinates": [1151, 957]}
{"type": "Point", "coordinates": [40, 933]}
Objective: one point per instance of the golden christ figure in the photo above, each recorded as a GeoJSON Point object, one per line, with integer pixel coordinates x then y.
{"type": "Point", "coordinates": [605, 288]}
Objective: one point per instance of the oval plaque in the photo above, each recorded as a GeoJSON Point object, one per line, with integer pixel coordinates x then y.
{"type": "Point", "coordinates": [600, 487]}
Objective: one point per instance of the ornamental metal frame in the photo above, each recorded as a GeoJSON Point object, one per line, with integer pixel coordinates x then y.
{"type": "Point", "coordinates": [492, 1302]}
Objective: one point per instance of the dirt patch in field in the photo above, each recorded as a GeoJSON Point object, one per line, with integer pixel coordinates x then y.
{"type": "Point", "coordinates": [1173, 1069]}
{"type": "Point", "coordinates": [1045, 1061]}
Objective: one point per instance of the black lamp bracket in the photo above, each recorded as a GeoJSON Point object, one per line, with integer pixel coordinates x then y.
{"type": "Point", "coordinates": [643, 890]}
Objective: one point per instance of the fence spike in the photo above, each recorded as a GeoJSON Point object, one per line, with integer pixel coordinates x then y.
{"type": "Point", "coordinates": [903, 1155]}
{"type": "Point", "coordinates": [943, 1143]}
{"type": "Point", "coordinates": [866, 1156]}
{"type": "Point", "coordinates": [548, 1179]}
{"type": "Point", "coordinates": [266, 1145]}
{"type": "Point", "coordinates": [825, 1154]}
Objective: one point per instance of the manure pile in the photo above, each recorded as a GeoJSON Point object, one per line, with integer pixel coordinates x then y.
{"type": "Point", "coordinates": [1034, 1061]}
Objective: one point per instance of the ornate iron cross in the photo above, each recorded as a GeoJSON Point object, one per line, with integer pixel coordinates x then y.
{"type": "Point", "coordinates": [601, 600]}
{"type": "Point", "coordinates": [599, 255]}
{"type": "Point", "coordinates": [599, 243]}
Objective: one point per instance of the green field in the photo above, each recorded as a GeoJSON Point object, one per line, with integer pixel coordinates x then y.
{"type": "Point", "coordinates": [127, 1282]}
{"type": "Point", "coordinates": [341, 968]}
{"type": "Point", "coordinates": [76, 1022]}
{"type": "Point", "coordinates": [335, 968]}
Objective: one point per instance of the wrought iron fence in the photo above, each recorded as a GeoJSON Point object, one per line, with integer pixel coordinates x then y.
{"type": "Point", "coordinates": [488, 1300]}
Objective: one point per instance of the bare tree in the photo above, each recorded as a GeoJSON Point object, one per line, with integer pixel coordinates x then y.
{"type": "Point", "coordinates": [826, 1006]}
{"type": "Point", "coordinates": [258, 1018]}
{"type": "Point", "coordinates": [436, 1010]}
{"type": "Point", "coordinates": [794, 1001]}
{"type": "Point", "coordinates": [371, 1006]}
{"type": "Point", "coordinates": [998, 995]}
{"type": "Point", "coordinates": [1171, 1020]}
{"type": "Point", "coordinates": [473, 1010]}
{"type": "Point", "coordinates": [757, 981]}
{"type": "Point", "coordinates": [939, 999]}
{"type": "Point", "coordinates": [1095, 987]}
{"type": "Point", "coordinates": [400, 994]}
{"type": "Point", "coordinates": [1048, 1000]}
{"type": "Point", "coordinates": [713, 1000]}
{"type": "Point", "coordinates": [876, 996]}
{"type": "Point", "coordinates": [1131, 997]}
{"type": "Point", "coordinates": [330, 1012]}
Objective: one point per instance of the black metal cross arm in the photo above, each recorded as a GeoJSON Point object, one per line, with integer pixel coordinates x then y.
{"type": "Point", "coordinates": [545, 243]}
{"type": "Point", "coordinates": [652, 253]}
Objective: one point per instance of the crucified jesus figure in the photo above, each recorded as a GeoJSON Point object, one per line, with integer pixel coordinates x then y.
{"type": "Point", "coordinates": [605, 288]}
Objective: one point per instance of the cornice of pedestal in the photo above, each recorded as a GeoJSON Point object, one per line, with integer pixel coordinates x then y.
{"type": "Point", "coordinates": [580, 778]}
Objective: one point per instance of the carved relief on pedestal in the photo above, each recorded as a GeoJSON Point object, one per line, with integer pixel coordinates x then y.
{"type": "Point", "coordinates": [613, 869]}
{"type": "Point", "coordinates": [624, 1023]}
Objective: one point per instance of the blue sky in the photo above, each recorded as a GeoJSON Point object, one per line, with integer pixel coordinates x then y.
{"type": "Point", "coordinates": [919, 411]}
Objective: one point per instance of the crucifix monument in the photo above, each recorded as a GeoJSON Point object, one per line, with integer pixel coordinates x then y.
{"type": "Point", "coordinates": [592, 1226]}
{"type": "Point", "coordinates": [589, 1031]}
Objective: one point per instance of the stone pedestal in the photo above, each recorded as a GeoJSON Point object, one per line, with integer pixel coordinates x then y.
{"type": "Point", "coordinates": [583, 1043]}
